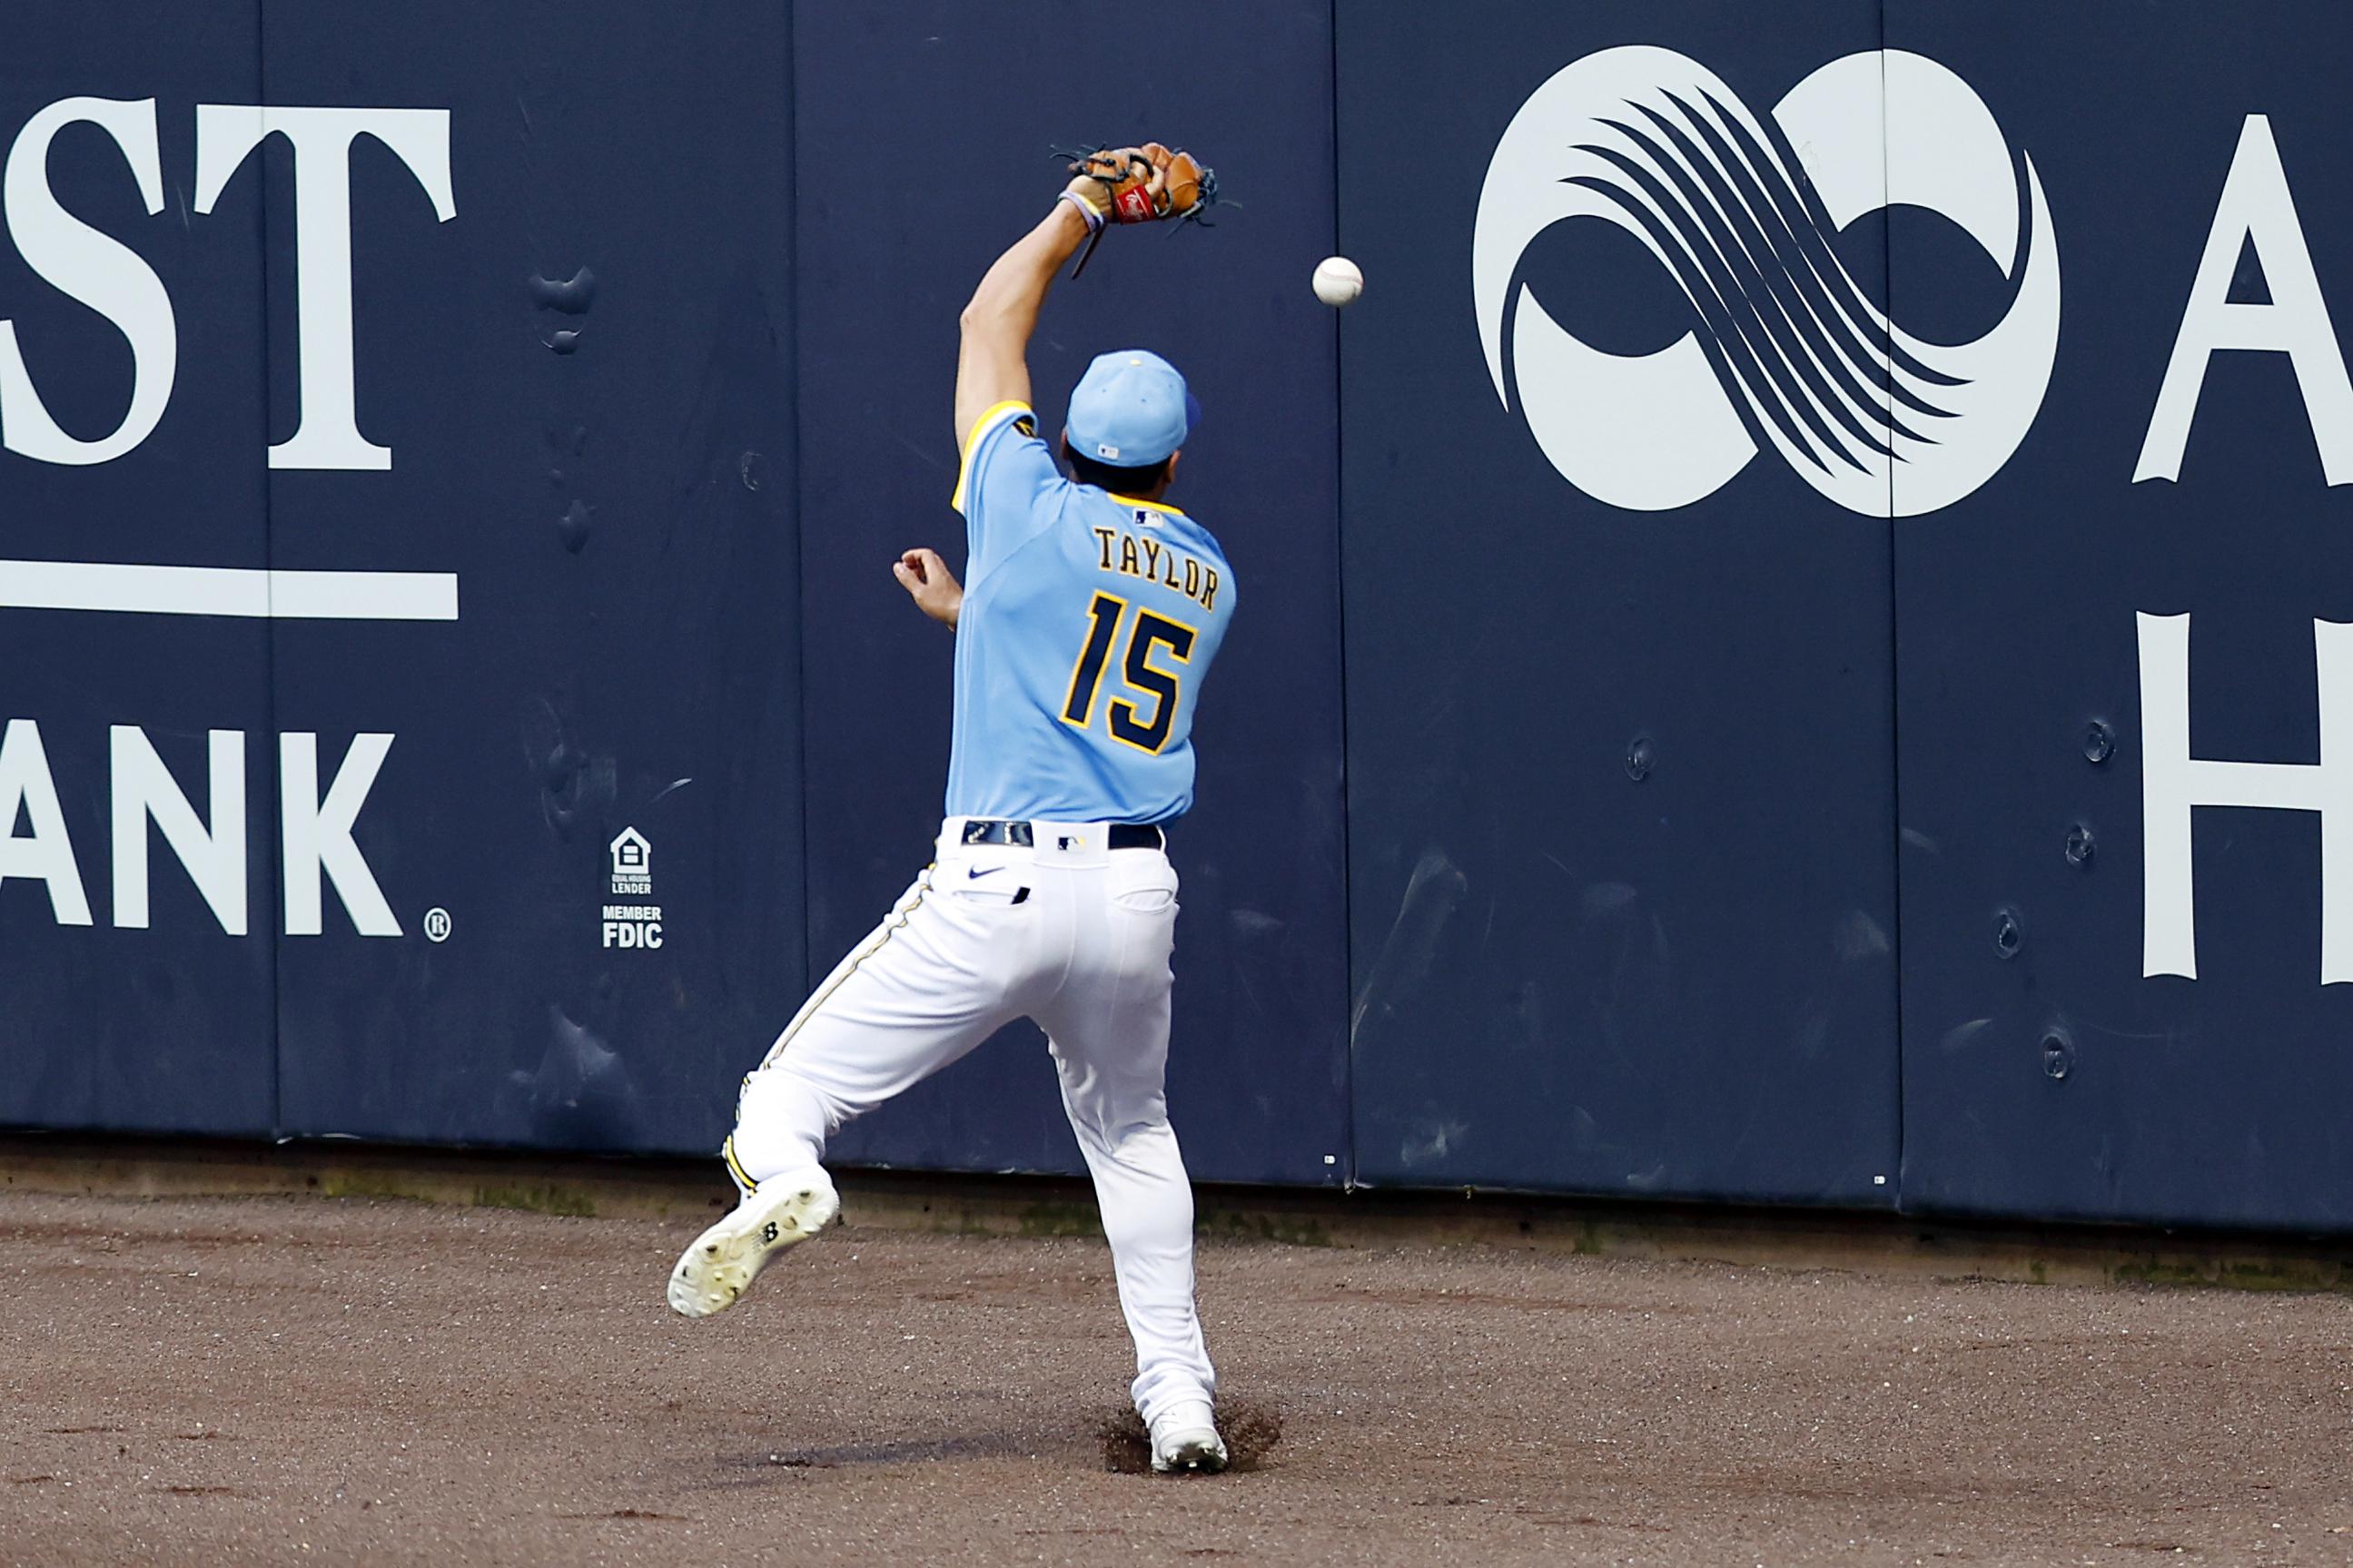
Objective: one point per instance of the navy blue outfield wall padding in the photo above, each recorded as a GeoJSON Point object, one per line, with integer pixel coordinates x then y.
{"type": "Point", "coordinates": [584, 378]}
{"type": "Point", "coordinates": [1792, 467]}
{"type": "Point", "coordinates": [2113, 1013]}
{"type": "Point", "coordinates": [1621, 882]}
{"type": "Point", "coordinates": [1257, 1057]}
{"type": "Point", "coordinates": [130, 998]}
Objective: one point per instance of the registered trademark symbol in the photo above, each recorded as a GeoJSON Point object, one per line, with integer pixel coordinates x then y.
{"type": "Point", "coordinates": [437, 925]}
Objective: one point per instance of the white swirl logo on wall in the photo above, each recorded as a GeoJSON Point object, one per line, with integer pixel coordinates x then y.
{"type": "Point", "coordinates": [1785, 346]}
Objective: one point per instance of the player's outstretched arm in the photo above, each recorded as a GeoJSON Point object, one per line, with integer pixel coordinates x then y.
{"type": "Point", "coordinates": [931, 584]}
{"type": "Point", "coordinates": [992, 366]}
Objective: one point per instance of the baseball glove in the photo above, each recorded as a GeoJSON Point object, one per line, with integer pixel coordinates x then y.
{"type": "Point", "coordinates": [1147, 184]}
{"type": "Point", "coordinates": [1138, 185]}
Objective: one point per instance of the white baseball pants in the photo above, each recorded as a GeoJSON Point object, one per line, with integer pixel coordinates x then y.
{"type": "Point", "coordinates": [1074, 935]}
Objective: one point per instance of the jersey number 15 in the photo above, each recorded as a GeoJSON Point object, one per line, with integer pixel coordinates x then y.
{"type": "Point", "coordinates": [1149, 633]}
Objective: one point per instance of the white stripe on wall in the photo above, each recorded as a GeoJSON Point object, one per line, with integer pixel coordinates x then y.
{"type": "Point", "coordinates": [228, 591]}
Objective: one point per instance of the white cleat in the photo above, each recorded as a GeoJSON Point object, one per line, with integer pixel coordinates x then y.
{"type": "Point", "coordinates": [713, 1273]}
{"type": "Point", "coordinates": [1184, 1438]}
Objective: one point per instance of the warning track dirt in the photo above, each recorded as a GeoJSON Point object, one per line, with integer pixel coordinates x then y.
{"type": "Point", "coordinates": [311, 1379]}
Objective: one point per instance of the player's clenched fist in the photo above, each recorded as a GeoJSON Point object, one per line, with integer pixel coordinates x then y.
{"type": "Point", "coordinates": [930, 584]}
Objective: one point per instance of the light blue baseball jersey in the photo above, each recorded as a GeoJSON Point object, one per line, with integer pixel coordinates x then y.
{"type": "Point", "coordinates": [1089, 621]}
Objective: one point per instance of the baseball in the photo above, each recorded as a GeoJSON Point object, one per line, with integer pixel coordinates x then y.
{"type": "Point", "coordinates": [1337, 280]}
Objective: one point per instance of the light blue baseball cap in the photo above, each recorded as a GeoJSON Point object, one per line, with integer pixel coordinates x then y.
{"type": "Point", "coordinates": [1131, 409]}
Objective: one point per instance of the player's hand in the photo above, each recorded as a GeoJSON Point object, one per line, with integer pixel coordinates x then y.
{"type": "Point", "coordinates": [931, 584]}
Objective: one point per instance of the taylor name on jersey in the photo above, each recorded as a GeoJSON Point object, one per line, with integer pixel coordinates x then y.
{"type": "Point", "coordinates": [1156, 561]}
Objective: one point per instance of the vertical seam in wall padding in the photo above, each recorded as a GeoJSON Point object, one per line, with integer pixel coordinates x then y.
{"type": "Point", "coordinates": [1894, 645]}
{"type": "Point", "coordinates": [1340, 629]}
{"type": "Point", "coordinates": [277, 837]}
{"type": "Point", "coordinates": [800, 476]}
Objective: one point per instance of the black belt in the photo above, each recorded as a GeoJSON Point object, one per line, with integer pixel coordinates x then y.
{"type": "Point", "coordinates": [1020, 835]}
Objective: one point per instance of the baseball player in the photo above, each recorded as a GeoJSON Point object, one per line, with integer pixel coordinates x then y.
{"type": "Point", "coordinates": [1092, 614]}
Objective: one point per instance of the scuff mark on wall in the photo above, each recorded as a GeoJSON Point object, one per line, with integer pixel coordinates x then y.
{"type": "Point", "coordinates": [1433, 893]}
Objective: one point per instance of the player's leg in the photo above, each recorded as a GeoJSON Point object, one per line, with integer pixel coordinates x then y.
{"type": "Point", "coordinates": [1108, 1029]}
{"type": "Point", "coordinates": [923, 988]}
{"type": "Point", "coordinates": [926, 986]}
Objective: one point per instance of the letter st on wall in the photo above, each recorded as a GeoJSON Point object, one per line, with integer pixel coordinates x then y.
{"type": "Point", "coordinates": [102, 272]}
{"type": "Point", "coordinates": [99, 271]}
